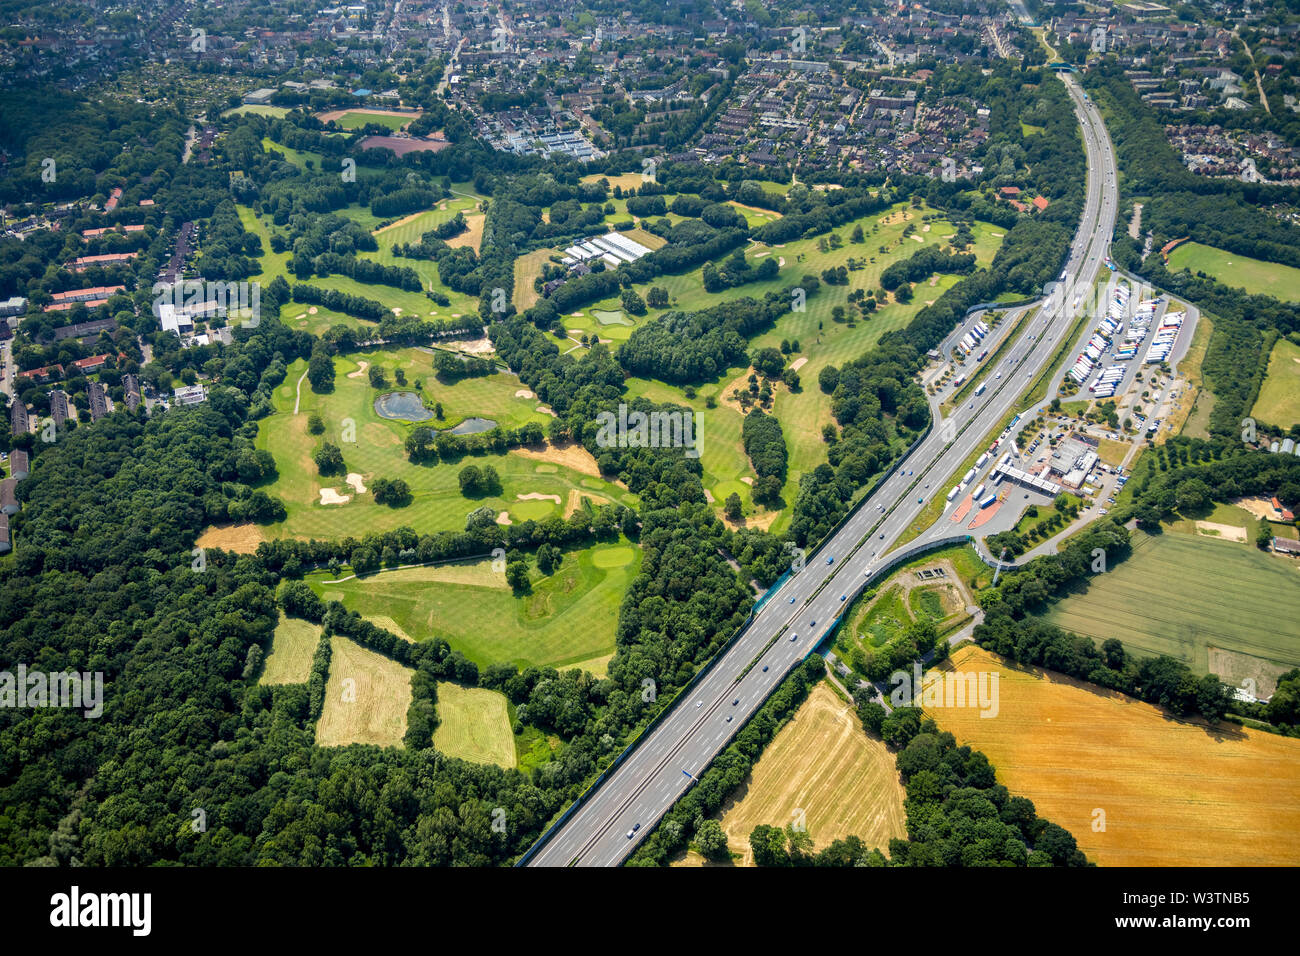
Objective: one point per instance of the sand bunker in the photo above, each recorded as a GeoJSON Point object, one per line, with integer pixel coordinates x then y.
{"type": "Point", "coordinates": [361, 369]}
{"type": "Point", "coordinates": [538, 496]}
{"type": "Point", "coordinates": [798, 363]}
{"type": "Point", "coordinates": [504, 518]}
{"type": "Point", "coordinates": [1216, 530]}
{"type": "Point", "coordinates": [524, 393]}
{"type": "Point", "coordinates": [355, 481]}
{"type": "Point", "coordinates": [328, 496]}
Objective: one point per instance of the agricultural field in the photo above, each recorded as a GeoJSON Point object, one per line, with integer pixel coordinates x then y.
{"type": "Point", "coordinates": [292, 648]}
{"type": "Point", "coordinates": [1168, 792]}
{"type": "Point", "coordinates": [567, 621]}
{"type": "Point", "coordinates": [535, 483]}
{"type": "Point", "coordinates": [1208, 601]}
{"type": "Point", "coordinates": [474, 725]}
{"type": "Point", "coordinates": [366, 698]}
{"type": "Point", "coordinates": [1254, 275]}
{"type": "Point", "coordinates": [1279, 396]}
{"type": "Point", "coordinates": [824, 769]}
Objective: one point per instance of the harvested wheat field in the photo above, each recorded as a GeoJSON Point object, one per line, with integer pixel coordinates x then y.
{"type": "Point", "coordinates": [292, 649]}
{"type": "Point", "coordinates": [822, 763]}
{"type": "Point", "coordinates": [474, 725]}
{"type": "Point", "coordinates": [366, 698]}
{"type": "Point", "coordinates": [239, 538]}
{"type": "Point", "coordinates": [472, 237]}
{"type": "Point", "coordinates": [1174, 792]}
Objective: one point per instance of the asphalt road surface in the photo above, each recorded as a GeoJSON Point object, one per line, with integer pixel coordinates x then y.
{"type": "Point", "coordinates": [795, 619]}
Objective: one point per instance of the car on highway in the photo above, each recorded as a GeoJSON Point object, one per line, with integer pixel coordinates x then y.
{"type": "Point", "coordinates": [764, 668]}
{"type": "Point", "coordinates": [830, 559]}
{"type": "Point", "coordinates": [729, 718]}
{"type": "Point", "coordinates": [794, 637]}
{"type": "Point", "coordinates": [699, 703]}
{"type": "Point", "coordinates": [843, 597]}
{"type": "Point", "coordinates": [882, 535]}
{"type": "Point", "coordinates": [791, 600]}
{"type": "Point", "coordinates": [735, 702]}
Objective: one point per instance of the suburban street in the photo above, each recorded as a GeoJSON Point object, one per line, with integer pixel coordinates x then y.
{"type": "Point", "coordinates": [796, 617]}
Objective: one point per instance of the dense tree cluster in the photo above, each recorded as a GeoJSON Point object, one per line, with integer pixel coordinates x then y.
{"type": "Point", "coordinates": [765, 446]}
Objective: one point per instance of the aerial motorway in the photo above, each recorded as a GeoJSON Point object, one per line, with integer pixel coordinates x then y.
{"type": "Point", "coordinates": [624, 806]}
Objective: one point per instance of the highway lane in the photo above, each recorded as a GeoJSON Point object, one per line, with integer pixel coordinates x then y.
{"type": "Point", "coordinates": [794, 620]}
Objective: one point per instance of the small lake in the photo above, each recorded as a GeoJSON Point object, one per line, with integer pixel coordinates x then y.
{"type": "Point", "coordinates": [472, 426]}
{"type": "Point", "coordinates": [402, 406]}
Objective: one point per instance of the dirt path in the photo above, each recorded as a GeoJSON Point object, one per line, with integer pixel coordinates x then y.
{"type": "Point", "coordinates": [297, 398]}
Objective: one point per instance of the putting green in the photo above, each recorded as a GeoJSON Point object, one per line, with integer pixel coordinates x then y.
{"type": "Point", "coordinates": [611, 318]}
{"type": "Point", "coordinates": [614, 557]}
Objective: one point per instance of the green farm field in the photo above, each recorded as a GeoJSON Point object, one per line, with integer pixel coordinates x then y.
{"type": "Point", "coordinates": [1253, 275]}
{"type": "Point", "coordinates": [1198, 599]}
{"type": "Point", "coordinates": [474, 725]}
{"type": "Point", "coordinates": [378, 451]}
{"type": "Point", "coordinates": [567, 621]}
{"type": "Point", "coordinates": [1279, 396]}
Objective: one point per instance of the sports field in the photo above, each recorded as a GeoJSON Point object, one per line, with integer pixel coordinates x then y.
{"type": "Point", "coordinates": [1168, 792]}
{"type": "Point", "coordinates": [1279, 396]}
{"type": "Point", "coordinates": [377, 449]}
{"type": "Point", "coordinates": [1190, 595]}
{"type": "Point", "coordinates": [474, 725]}
{"type": "Point", "coordinates": [568, 620]}
{"type": "Point", "coordinates": [292, 647]}
{"type": "Point", "coordinates": [824, 771]}
{"type": "Point", "coordinates": [1253, 275]}
{"type": "Point", "coordinates": [366, 698]}
{"type": "Point", "coordinates": [356, 119]}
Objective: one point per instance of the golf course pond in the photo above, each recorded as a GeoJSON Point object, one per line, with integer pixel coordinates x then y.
{"type": "Point", "coordinates": [402, 406]}
{"type": "Point", "coordinates": [472, 426]}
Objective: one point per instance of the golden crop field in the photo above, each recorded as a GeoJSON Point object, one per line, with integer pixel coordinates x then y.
{"type": "Point", "coordinates": [823, 763]}
{"type": "Point", "coordinates": [366, 698]}
{"type": "Point", "coordinates": [292, 648]}
{"type": "Point", "coordinates": [1173, 792]}
{"type": "Point", "coordinates": [474, 724]}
